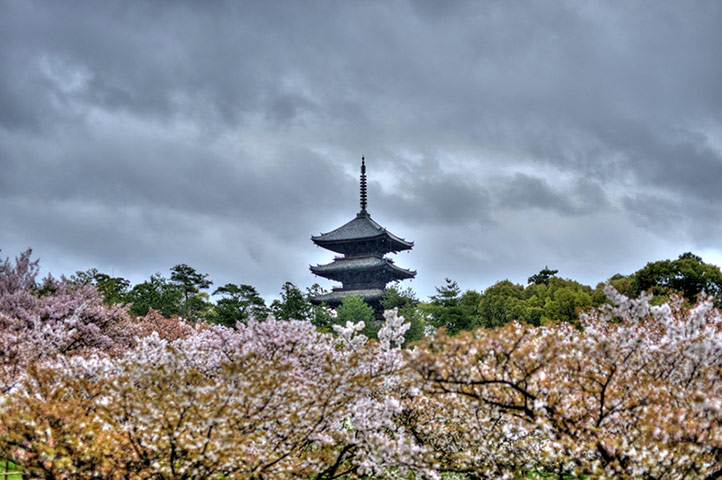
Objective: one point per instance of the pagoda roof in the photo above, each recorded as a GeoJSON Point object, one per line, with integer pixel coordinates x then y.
{"type": "Point", "coordinates": [348, 264]}
{"type": "Point", "coordinates": [336, 296]}
{"type": "Point", "coordinates": [363, 227]}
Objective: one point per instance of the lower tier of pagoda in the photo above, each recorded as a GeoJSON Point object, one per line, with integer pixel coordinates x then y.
{"type": "Point", "coordinates": [334, 298]}
{"type": "Point", "coordinates": [362, 276]}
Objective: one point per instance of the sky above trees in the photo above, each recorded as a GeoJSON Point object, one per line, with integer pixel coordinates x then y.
{"type": "Point", "coordinates": [500, 137]}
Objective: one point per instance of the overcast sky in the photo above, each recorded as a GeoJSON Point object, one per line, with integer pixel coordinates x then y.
{"type": "Point", "coordinates": [499, 136]}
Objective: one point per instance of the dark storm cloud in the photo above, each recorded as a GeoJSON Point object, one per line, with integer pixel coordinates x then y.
{"type": "Point", "coordinates": [527, 192]}
{"type": "Point", "coordinates": [439, 200]}
{"type": "Point", "coordinates": [500, 136]}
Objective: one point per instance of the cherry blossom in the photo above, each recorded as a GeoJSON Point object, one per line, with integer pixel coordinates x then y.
{"type": "Point", "coordinates": [88, 391]}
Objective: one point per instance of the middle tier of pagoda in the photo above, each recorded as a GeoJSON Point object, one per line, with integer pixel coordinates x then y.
{"type": "Point", "coordinates": [370, 271]}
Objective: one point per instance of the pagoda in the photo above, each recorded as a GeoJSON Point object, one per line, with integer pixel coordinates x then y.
{"type": "Point", "coordinates": [363, 269]}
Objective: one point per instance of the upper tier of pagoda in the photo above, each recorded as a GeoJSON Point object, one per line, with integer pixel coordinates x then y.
{"type": "Point", "coordinates": [361, 236]}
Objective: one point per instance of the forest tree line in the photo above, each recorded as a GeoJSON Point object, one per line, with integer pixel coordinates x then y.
{"type": "Point", "coordinates": [546, 298]}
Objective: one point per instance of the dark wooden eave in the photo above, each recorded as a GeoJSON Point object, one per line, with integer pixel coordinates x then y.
{"type": "Point", "coordinates": [341, 268]}
{"type": "Point", "coordinates": [336, 296]}
{"type": "Point", "coordinates": [361, 229]}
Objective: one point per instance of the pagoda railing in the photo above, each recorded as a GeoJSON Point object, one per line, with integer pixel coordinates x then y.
{"type": "Point", "coordinates": [359, 286]}
{"type": "Point", "coordinates": [365, 255]}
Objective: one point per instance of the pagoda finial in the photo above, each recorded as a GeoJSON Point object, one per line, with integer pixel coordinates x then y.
{"type": "Point", "coordinates": [363, 185]}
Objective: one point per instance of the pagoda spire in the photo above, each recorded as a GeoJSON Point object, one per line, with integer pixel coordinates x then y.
{"type": "Point", "coordinates": [363, 185]}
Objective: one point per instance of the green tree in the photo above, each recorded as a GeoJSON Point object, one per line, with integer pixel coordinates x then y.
{"type": "Point", "coordinates": [293, 304]}
{"type": "Point", "coordinates": [238, 303]}
{"type": "Point", "coordinates": [406, 302]}
{"type": "Point", "coordinates": [157, 293]}
{"type": "Point", "coordinates": [321, 316]}
{"type": "Point", "coordinates": [190, 282]}
{"type": "Point", "coordinates": [445, 309]}
{"type": "Point", "coordinates": [200, 306]}
{"type": "Point", "coordinates": [565, 304]}
{"type": "Point", "coordinates": [470, 303]}
{"type": "Point", "coordinates": [535, 295]}
{"type": "Point", "coordinates": [354, 309]}
{"type": "Point", "coordinates": [565, 299]}
{"type": "Point", "coordinates": [501, 303]}
{"type": "Point", "coordinates": [687, 275]}
{"type": "Point", "coordinates": [542, 278]}
{"type": "Point", "coordinates": [554, 301]}
{"type": "Point", "coordinates": [623, 284]}
{"type": "Point", "coordinates": [113, 289]}
{"type": "Point", "coordinates": [396, 298]}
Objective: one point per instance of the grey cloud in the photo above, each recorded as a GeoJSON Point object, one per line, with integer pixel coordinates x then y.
{"type": "Point", "coordinates": [233, 129]}
{"type": "Point", "coordinates": [437, 200]}
{"type": "Point", "coordinates": [680, 162]}
{"type": "Point", "coordinates": [183, 178]}
{"type": "Point", "coordinates": [656, 213]}
{"type": "Point", "coordinates": [676, 217]}
{"type": "Point", "coordinates": [524, 192]}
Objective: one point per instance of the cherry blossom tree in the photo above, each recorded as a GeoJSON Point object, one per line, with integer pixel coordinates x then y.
{"type": "Point", "coordinates": [89, 391]}
{"type": "Point", "coordinates": [57, 317]}
{"type": "Point", "coordinates": [271, 399]}
{"type": "Point", "coordinates": [635, 393]}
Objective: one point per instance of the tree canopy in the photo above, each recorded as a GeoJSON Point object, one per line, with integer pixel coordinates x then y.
{"type": "Point", "coordinates": [238, 304]}
{"type": "Point", "coordinates": [190, 283]}
{"type": "Point", "coordinates": [546, 298]}
{"type": "Point", "coordinates": [444, 309]}
{"type": "Point", "coordinates": [687, 275]}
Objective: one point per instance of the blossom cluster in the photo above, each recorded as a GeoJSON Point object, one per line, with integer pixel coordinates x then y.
{"type": "Point", "coordinates": [634, 393]}
{"type": "Point", "coordinates": [89, 391]}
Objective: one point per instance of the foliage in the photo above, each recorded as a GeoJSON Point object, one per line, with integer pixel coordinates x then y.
{"type": "Point", "coordinates": [445, 310]}
{"type": "Point", "coordinates": [405, 302]}
{"type": "Point", "coordinates": [90, 391]}
{"type": "Point", "coordinates": [558, 300]}
{"type": "Point", "coordinates": [271, 399]}
{"type": "Point", "coordinates": [505, 302]}
{"type": "Point", "coordinates": [64, 318]}
{"type": "Point", "coordinates": [688, 275]}
{"type": "Point", "coordinates": [239, 303]}
{"type": "Point", "coordinates": [190, 283]}
{"type": "Point", "coordinates": [624, 284]}
{"type": "Point", "coordinates": [469, 303]}
{"type": "Point", "coordinates": [355, 310]}
{"type": "Point", "coordinates": [113, 289]}
{"type": "Point", "coordinates": [542, 278]}
{"type": "Point", "coordinates": [292, 305]}
{"type": "Point", "coordinates": [322, 316]}
{"type": "Point", "coordinates": [566, 300]}
{"type": "Point", "coordinates": [156, 293]}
